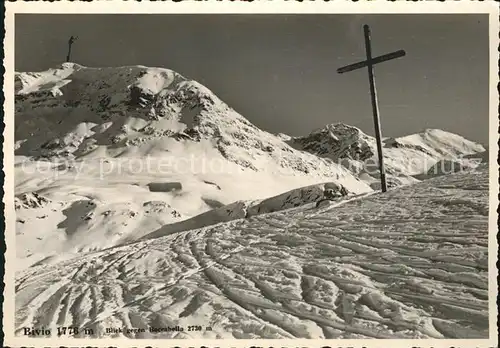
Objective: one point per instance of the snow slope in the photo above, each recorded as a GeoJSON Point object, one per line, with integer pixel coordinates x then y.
{"type": "Point", "coordinates": [410, 263]}
{"type": "Point", "coordinates": [115, 154]}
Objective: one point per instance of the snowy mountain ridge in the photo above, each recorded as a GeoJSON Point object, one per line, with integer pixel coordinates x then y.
{"type": "Point", "coordinates": [341, 141]}
{"type": "Point", "coordinates": [78, 111]}
{"type": "Point", "coordinates": [107, 147]}
{"type": "Point", "coordinates": [403, 156]}
{"type": "Point", "coordinates": [340, 272]}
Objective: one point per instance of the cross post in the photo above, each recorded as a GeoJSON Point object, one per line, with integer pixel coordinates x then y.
{"type": "Point", "coordinates": [71, 40]}
{"type": "Point", "coordinates": [369, 63]}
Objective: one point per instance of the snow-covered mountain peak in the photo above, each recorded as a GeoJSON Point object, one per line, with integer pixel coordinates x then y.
{"type": "Point", "coordinates": [403, 156]}
{"type": "Point", "coordinates": [336, 141]}
{"type": "Point", "coordinates": [143, 98]}
{"type": "Point", "coordinates": [76, 111]}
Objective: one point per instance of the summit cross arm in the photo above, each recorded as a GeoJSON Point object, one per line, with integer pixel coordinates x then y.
{"type": "Point", "coordinates": [369, 63]}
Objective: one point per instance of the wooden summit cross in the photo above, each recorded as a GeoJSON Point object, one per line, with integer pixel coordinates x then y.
{"type": "Point", "coordinates": [369, 63]}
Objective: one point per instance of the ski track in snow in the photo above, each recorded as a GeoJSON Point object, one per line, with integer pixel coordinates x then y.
{"type": "Point", "coordinates": [410, 263]}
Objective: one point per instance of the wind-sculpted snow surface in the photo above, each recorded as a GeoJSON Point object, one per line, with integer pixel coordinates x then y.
{"type": "Point", "coordinates": [409, 263]}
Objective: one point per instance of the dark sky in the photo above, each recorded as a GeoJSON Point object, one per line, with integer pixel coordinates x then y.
{"type": "Point", "coordinates": [279, 71]}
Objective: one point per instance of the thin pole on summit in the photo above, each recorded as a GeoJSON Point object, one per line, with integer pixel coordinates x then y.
{"type": "Point", "coordinates": [369, 63]}
{"type": "Point", "coordinates": [71, 40]}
